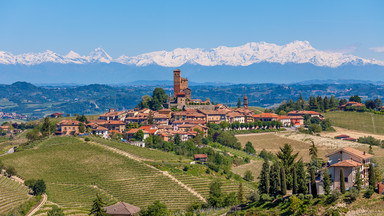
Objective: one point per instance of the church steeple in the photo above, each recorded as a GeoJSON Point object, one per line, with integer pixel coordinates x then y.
{"type": "Point", "coordinates": [245, 102]}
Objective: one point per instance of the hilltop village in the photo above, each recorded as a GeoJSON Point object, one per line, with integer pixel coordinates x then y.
{"type": "Point", "coordinates": [189, 116]}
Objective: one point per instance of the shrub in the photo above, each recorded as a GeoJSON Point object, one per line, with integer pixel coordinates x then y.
{"type": "Point", "coordinates": [55, 211]}
{"type": "Point", "coordinates": [369, 192]}
{"type": "Point", "coordinates": [254, 196]}
{"type": "Point", "coordinates": [186, 168]}
{"type": "Point", "coordinates": [335, 195]}
{"type": "Point", "coordinates": [87, 139]}
{"type": "Point", "coordinates": [248, 176]}
{"type": "Point", "coordinates": [353, 194]}
{"type": "Point", "coordinates": [308, 197]}
{"type": "Point", "coordinates": [301, 196]}
{"type": "Point", "coordinates": [321, 196]}
{"type": "Point", "coordinates": [266, 198]}
{"type": "Point", "coordinates": [10, 171]}
{"type": "Point", "coordinates": [279, 197]}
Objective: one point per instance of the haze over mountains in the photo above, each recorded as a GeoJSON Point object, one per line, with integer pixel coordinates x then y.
{"type": "Point", "coordinates": [249, 63]}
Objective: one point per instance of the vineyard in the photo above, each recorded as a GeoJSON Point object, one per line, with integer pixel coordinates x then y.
{"type": "Point", "coordinates": [12, 194]}
{"type": "Point", "coordinates": [75, 171]}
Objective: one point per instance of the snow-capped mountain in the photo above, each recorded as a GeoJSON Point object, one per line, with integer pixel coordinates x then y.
{"type": "Point", "coordinates": [251, 53]}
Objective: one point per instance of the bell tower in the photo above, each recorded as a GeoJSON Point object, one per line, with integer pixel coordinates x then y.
{"type": "Point", "coordinates": [245, 102]}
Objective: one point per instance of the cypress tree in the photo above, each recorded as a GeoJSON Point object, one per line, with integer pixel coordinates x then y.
{"type": "Point", "coordinates": [240, 194]}
{"type": "Point", "coordinates": [264, 178]}
{"type": "Point", "coordinates": [274, 178]}
{"type": "Point", "coordinates": [342, 182]}
{"type": "Point", "coordinates": [98, 207]}
{"type": "Point", "coordinates": [301, 178]}
{"type": "Point", "coordinates": [238, 103]}
{"type": "Point", "coordinates": [283, 182]}
{"type": "Point", "coordinates": [313, 183]}
{"type": "Point", "coordinates": [327, 182]}
{"type": "Point", "coordinates": [371, 176]}
{"type": "Point", "coordinates": [357, 182]}
{"type": "Point", "coordinates": [294, 183]}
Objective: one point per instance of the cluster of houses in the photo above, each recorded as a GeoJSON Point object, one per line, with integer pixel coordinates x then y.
{"type": "Point", "coordinates": [13, 116]}
{"type": "Point", "coordinates": [166, 123]}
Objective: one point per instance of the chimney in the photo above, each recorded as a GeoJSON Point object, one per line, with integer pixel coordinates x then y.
{"type": "Point", "coordinates": [364, 153]}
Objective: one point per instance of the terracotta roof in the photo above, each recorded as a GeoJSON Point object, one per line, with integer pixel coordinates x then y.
{"type": "Point", "coordinates": [303, 112]}
{"type": "Point", "coordinates": [213, 112]}
{"type": "Point", "coordinates": [189, 122]}
{"type": "Point", "coordinates": [234, 114]}
{"type": "Point", "coordinates": [114, 122]}
{"type": "Point", "coordinates": [354, 152]}
{"type": "Point", "coordinates": [100, 128]}
{"type": "Point", "coordinates": [160, 116]}
{"type": "Point", "coordinates": [283, 117]}
{"type": "Point", "coordinates": [122, 208]}
{"type": "Point", "coordinates": [69, 122]}
{"type": "Point", "coordinates": [200, 156]}
{"type": "Point", "coordinates": [266, 115]}
{"type": "Point", "coordinates": [346, 163]}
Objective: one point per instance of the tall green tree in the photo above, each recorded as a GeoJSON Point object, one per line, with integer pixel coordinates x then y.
{"type": "Point", "coordinates": [98, 207]}
{"type": "Point", "coordinates": [358, 180]}
{"type": "Point", "coordinates": [287, 160]}
{"type": "Point", "coordinates": [355, 98]}
{"type": "Point", "coordinates": [238, 103]}
{"type": "Point", "coordinates": [371, 176]}
{"type": "Point", "coordinates": [294, 180]}
{"type": "Point", "coordinates": [249, 148]}
{"type": "Point", "coordinates": [81, 127]}
{"type": "Point", "coordinates": [274, 178]}
{"type": "Point", "coordinates": [342, 181]}
{"type": "Point", "coordinates": [241, 194]}
{"type": "Point", "coordinates": [264, 178]}
{"type": "Point", "coordinates": [216, 196]}
{"type": "Point", "coordinates": [313, 183]}
{"type": "Point", "coordinates": [283, 182]}
{"type": "Point", "coordinates": [301, 178]}
{"type": "Point", "coordinates": [327, 182]}
{"type": "Point", "coordinates": [139, 135]}
{"type": "Point", "coordinates": [47, 128]}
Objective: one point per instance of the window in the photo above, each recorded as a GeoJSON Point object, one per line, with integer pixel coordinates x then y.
{"type": "Point", "coordinates": [346, 179]}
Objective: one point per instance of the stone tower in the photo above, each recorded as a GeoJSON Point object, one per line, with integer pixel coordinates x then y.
{"type": "Point", "coordinates": [176, 82]}
{"type": "Point", "coordinates": [245, 102]}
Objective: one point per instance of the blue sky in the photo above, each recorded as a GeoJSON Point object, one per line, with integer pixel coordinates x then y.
{"type": "Point", "coordinates": [135, 27]}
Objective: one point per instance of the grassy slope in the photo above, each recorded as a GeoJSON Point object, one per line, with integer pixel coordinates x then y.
{"type": "Point", "coordinates": [365, 122]}
{"type": "Point", "coordinates": [75, 171]}
{"type": "Point", "coordinates": [150, 154]}
{"type": "Point", "coordinates": [257, 110]}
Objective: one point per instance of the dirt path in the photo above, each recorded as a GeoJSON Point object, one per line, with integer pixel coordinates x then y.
{"type": "Point", "coordinates": [351, 133]}
{"type": "Point", "coordinates": [41, 204]}
{"type": "Point", "coordinates": [165, 173]}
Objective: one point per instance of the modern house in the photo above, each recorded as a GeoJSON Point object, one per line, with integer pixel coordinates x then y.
{"type": "Point", "coordinates": [351, 161]}
{"type": "Point", "coordinates": [100, 131]}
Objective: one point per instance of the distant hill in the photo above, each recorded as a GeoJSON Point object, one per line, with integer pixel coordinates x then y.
{"type": "Point", "coordinates": [26, 98]}
{"type": "Point", "coordinates": [116, 73]}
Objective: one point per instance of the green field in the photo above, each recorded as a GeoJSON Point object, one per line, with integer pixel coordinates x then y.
{"type": "Point", "coordinates": [12, 194]}
{"type": "Point", "coordinates": [75, 171]}
{"type": "Point", "coordinates": [359, 121]}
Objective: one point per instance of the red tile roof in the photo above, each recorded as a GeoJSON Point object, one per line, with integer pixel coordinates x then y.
{"type": "Point", "coordinates": [200, 156]}
{"type": "Point", "coordinates": [352, 151]}
{"type": "Point", "coordinates": [69, 122]}
{"type": "Point", "coordinates": [266, 115]}
{"type": "Point", "coordinates": [346, 163]}
{"type": "Point", "coordinates": [303, 112]}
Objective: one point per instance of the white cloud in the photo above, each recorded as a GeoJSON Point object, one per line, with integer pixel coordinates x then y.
{"type": "Point", "coordinates": [378, 49]}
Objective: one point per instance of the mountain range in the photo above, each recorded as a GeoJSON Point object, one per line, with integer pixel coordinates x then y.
{"type": "Point", "coordinates": [249, 63]}
{"type": "Point", "coordinates": [251, 53]}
